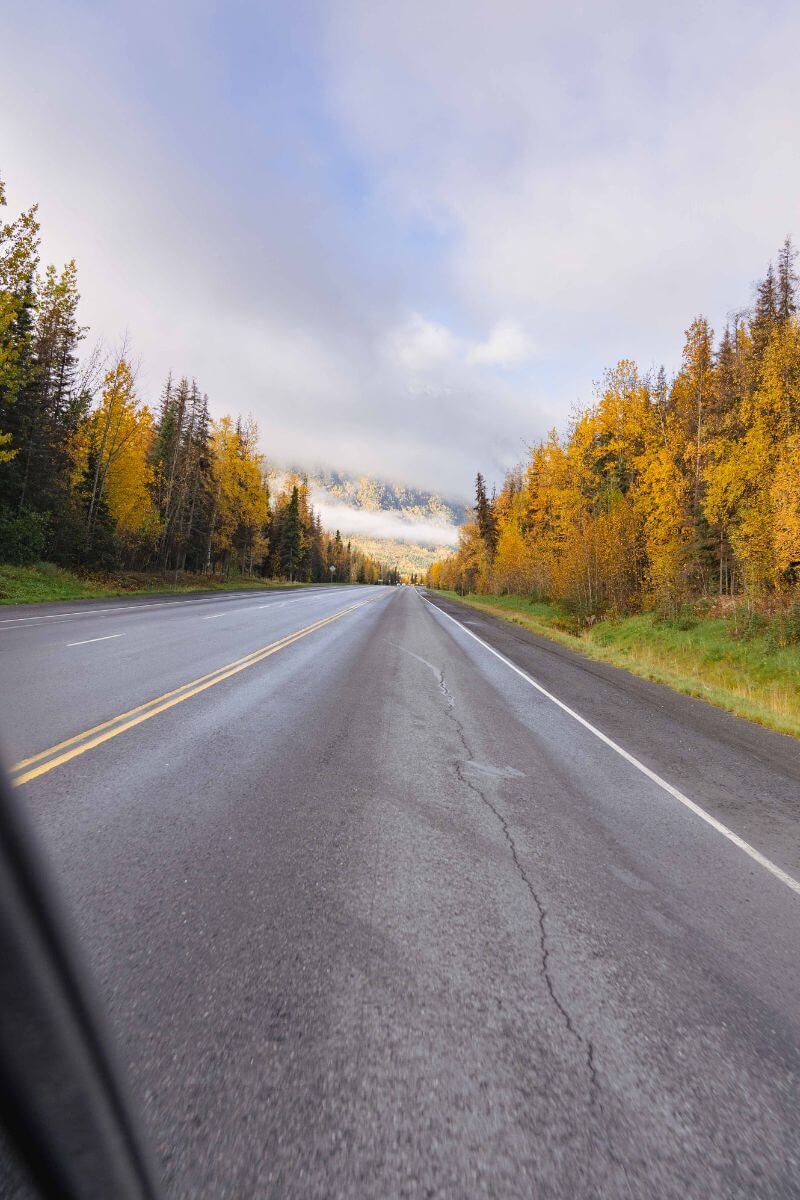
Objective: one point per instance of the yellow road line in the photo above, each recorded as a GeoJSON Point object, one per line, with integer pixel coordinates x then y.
{"type": "Point", "coordinates": [26, 762]}
{"type": "Point", "coordinates": [78, 744]}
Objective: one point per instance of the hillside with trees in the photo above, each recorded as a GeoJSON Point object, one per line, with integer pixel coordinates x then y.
{"type": "Point", "coordinates": [381, 495]}
{"type": "Point", "coordinates": [93, 477]}
{"type": "Point", "coordinates": [418, 538]}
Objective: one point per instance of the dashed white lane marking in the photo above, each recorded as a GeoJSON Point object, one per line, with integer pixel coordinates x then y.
{"type": "Point", "coordinates": [252, 608]}
{"type": "Point", "coordinates": [107, 638]}
{"type": "Point", "coordinates": [744, 846]}
{"type": "Point", "coordinates": [93, 612]}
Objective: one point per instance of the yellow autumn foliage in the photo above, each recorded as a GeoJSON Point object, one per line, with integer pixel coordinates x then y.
{"type": "Point", "coordinates": [659, 492]}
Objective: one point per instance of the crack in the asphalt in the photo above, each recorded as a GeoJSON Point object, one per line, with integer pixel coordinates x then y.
{"type": "Point", "coordinates": [585, 1042]}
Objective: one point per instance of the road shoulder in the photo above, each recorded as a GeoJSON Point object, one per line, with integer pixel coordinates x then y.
{"type": "Point", "coordinates": [744, 775]}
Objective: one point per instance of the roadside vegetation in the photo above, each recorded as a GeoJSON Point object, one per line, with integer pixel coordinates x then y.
{"type": "Point", "coordinates": [46, 581]}
{"type": "Point", "coordinates": [94, 479]}
{"type": "Point", "coordinates": [742, 661]}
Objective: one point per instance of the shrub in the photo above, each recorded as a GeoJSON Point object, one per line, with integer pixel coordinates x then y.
{"type": "Point", "coordinates": [789, 625]}
{"type": "Point", "coordinates": [23, 536]}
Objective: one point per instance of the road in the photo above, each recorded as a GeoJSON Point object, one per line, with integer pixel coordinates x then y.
{"type": "Point", "coordinates": [375, 916]}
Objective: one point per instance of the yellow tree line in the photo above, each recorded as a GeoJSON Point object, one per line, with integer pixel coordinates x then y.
{"type": "Point", "coordinates": [658, 493]}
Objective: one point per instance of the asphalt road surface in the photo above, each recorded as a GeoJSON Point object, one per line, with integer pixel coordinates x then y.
{"type": "Point", "coordinates": [375, 916]}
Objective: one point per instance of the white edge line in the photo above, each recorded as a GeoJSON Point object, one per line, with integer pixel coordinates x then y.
{"type": "Point", "coordinates": [107, 638]}
{"type": "Point", "coordinates": [751, 851]}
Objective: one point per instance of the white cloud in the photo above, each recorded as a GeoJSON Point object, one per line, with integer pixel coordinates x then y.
{"type": "Point", "coordinates": [506, 346]}
{"type": "Point", "coordinates": [422, 344]}
{"type": "Point", "coordinates": [602, 171]}
{"type": "Point", "coordinates": [355, 521]}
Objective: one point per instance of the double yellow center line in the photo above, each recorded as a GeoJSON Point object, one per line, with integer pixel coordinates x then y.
{"type": "Point", "coordinates": [63, 752]}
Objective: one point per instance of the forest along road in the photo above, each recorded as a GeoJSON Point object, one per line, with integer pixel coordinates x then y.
{"type": "Point", "coordinates": [375, 916]}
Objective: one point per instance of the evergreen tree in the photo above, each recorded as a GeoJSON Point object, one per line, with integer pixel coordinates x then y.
{"type": "Point", "coordinates": [291, 537]}
{"type": "Point", "coordinates": [199, 484]}
{"type": "Point", "coordinates": [765, 316]}
{"type": "Point", "coordinates": [316, 551]}
{"type": "Point", "coordinates": [43, 397]}
{"type": "Point", "coordinates": [100, 547]}
{"type": "Point", "coordinates": [19, 257]}
{"type": "Point", "coordinates": [785, 301]}
{"type": "Point", "coordinates": [484, 513]}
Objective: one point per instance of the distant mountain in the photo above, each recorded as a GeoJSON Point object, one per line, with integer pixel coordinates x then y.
{"type": "Point", "coordinates": [378, 495]}
{"type": "Point", "coordinates": [398, 525]}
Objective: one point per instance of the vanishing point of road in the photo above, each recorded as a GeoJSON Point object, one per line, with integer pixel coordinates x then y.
{"type": "Point", "coordinates": [388, 899]}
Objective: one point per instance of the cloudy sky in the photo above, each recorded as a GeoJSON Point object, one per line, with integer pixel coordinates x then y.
{"type": "Point", "coordinates": [406, 236]}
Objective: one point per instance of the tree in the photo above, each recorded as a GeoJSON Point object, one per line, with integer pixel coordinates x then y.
{"type": "Point", "coordinates": [239, 509]}
{"type": "Point", "coordinates": [785, 300]}
{"type": "Point", "coordinates": [785, 502]}
{"type": "Point", "coordinates": [484, 515]}
{"type": "Point", "coordinates": [765, 316]}
{"type": "Point", "coordinates": [51, 406]}
{"type": "Point", "coordinates": [19, 257]}
{"type": "Point", "coordinates": [100, 545]}
{"type": "Point", "coordinates": [111, 428]}
{"type": "Point", "coordinates": [291, 546]}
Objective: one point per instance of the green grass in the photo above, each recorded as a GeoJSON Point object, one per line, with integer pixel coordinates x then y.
{"type": "Point", "coordinates": [752, 676]}
{"type": "Point", "coordinates": [44, 581]}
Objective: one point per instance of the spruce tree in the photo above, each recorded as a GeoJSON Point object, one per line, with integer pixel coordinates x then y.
{"type": "Point", "coordinates": [786, 304]}
{"type": "Point", "coordinates": [291, 537]}
{"type": "Point", "coordinates": [765, 316]}
{"type": "Point", "coordinates": [51, 399]}
{"type": "Point", "coordinates": [19, 257]}
{"type": "Point", "coordinates": [198, 484]}
{"type": "Point", "coordinates": [484, 513]}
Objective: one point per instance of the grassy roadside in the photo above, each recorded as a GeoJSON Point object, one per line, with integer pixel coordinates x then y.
{"type": "Point", "coordinates": [752, 676]}
{"type": "Point", "coordinates": [44, 581]}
